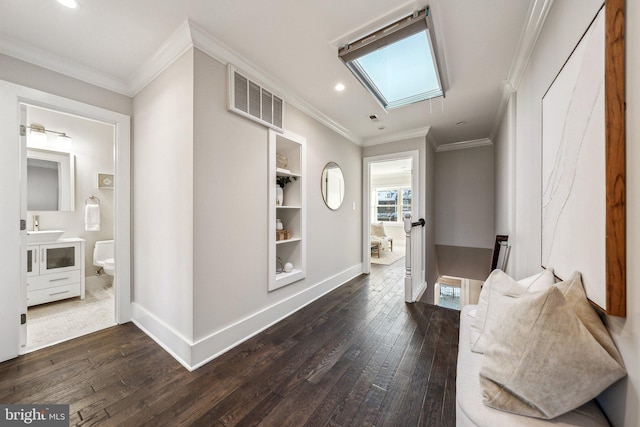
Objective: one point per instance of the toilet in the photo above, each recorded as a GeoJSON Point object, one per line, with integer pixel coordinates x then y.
{"type": "Point", "coordinates": [103, 256]}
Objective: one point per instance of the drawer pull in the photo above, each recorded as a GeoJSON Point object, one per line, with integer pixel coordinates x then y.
{"type": "Point", "coordinates": [57, 280]}
{"type": "Point", "coordinates": [58, 293]}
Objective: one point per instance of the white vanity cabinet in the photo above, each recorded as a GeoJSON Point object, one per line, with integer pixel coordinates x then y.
{"type": "Point", "coordinates": [55, 271]}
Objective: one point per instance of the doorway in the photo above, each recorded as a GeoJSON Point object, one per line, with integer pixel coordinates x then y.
{"type": "Point", "coordinates": [391, 197]}
{"type": "Point", "coordinates": [391, 188]}
{"type": "Point", "coordinates": [67, 294]}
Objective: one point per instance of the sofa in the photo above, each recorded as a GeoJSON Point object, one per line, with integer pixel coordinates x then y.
{"type": "Point", "coordinates": [533, 352]}
{"type": "Point", "coordinates": [470, 409]}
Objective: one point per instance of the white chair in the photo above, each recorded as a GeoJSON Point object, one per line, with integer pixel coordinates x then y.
{"type": "Point", "coordinates": [378, 235]}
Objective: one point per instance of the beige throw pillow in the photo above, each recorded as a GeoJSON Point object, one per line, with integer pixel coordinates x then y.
{"type": "Point", "coordinates": [500, 285]}
{"type": "Point", "coordinates": [549, 355]}
{"type": "Point", "coordinates": [377, 229]}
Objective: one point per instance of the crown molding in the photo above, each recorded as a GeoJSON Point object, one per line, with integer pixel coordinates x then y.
{"type": "Point", "coordinates": [173, 48]}
{"type": "Point", "coordinates": [29, 53]}
{"type": "Point", "coordinates": [226, 55]}
{"type": "Point", "coordinates": [463, 145]}
{"type": "Point", "coordinates": [398, 136]}
{"type": "Point", "coordinates": [528, 38]}
{"type": "Point", "coordinates": [538, 12]}
{"type": "Point", "coordinates": [186, 36]}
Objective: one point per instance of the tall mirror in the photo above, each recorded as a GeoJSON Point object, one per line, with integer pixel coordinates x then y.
{"type": "Point", "coordinates": [332, 184]}
{"type": "Point", "coordinates": [50, 180]}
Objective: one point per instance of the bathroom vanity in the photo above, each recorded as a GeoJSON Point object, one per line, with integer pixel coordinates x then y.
{"type": "Point", "coordinates": [55, 270]}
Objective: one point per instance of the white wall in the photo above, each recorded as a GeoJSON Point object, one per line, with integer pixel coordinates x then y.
{"type": "Point", "coordinates": [163, 201]}
{"type": "Point", "coordinates": [464, 197]}
{"type": "Point", "coordinates": [562, 30]}
{"type": "Point", "coordinates": [200, 215]}
{"type": "Point", "coordinates": [93, 147]}
{"type": "Point", "coordinates": [230, 216]}
{"type": "Point", "coordinates": [504, 151]}
{"type": "Point", "coordinates": [25, 74]}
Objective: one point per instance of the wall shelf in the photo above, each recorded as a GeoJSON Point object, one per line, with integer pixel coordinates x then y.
{"type": "Point", "coordinates": [292, 213]}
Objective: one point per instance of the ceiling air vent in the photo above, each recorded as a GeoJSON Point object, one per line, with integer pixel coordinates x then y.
{"type": "Point", "coordinates": [250, 99]}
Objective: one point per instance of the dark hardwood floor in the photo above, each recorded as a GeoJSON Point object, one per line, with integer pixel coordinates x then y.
{"type": "Point", "coordinates": [358, 356]}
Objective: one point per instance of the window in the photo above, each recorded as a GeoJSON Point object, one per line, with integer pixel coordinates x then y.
{"type": "Point", "coordinates": [397, 64]}
{"type": "Point", "coordinates": [391, 204]}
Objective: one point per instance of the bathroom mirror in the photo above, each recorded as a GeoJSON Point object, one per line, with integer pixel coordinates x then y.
{"type": "Point", "coordinates": [50, 180]}
{"type": "Point", "coordinates": [332, 184]}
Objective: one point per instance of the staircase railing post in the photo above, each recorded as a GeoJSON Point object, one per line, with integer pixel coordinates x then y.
{"type": "Point", "coordinates": [408, 288]}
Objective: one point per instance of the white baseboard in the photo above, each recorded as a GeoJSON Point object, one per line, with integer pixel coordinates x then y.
{"type": "Point", "coordinates": [193, 355]}
{"type": "Point", "coordinates": [212, 346]}
{"type": "Point", "coordinates": [172, 341]}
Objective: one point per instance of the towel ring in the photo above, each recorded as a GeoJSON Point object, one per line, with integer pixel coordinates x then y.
{"type": "Point", "coordinates": [92, 198]}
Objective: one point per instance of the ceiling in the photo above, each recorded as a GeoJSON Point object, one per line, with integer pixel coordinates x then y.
{"type": "Point", "coordinates": [110, 43]}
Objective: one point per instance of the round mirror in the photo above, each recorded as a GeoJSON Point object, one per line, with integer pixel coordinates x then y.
{"type": "Point", "coordinates": [332, 184]}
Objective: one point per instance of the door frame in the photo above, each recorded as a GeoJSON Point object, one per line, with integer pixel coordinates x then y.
{"type": "Point", "coordinates": [18, 95]}
{"type": "Point", "coordinates": [417, 207]}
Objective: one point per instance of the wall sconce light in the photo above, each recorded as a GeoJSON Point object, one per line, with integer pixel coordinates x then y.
{"type": "Point", "coordinates": [38, 137]}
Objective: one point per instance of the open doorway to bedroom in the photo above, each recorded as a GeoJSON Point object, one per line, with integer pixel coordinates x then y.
{"type": "Point", "coordinates": [391, 196]}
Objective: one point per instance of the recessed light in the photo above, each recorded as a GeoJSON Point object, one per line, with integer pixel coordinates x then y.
{"type": "Point", "coordinates": [461, 123]}
{"type": "Point", "coordinates": [72, 4]}
{"type": "Point", "coordinates": [339, 87]}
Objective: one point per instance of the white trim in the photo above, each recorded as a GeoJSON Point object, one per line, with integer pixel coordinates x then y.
{"type": "Point", "coordinates": [193, 355]}
{"type": "Point", "coordinates": [187, 35]}
{"type": "Point", "coordinates": [417, 293]}
{"type": "Point", "coordinates": [171, 50]}
{"type": "Point", "coordinates": [398, 136]}
{"type": "Point", "coordinates": [528, 39]}
{"type": "Point", "coordinates": [225, 55]}
{"type": "Point", "coordinates": [218, 343]}
{"type": "Point", "coordinates": [42, 58]}
{"type": "Point", "coordinates": [121, 122]}
{"type": "Point", "coordinates": [176, 344]}
{"type": "Point", "coordinates": [122, 195]}
{"type": "Point", "coordinates": [273, 282]}
{"type": "Point", "coordinates": [462, 145]}
{"type": "Point", "coordinates": [538, 12]}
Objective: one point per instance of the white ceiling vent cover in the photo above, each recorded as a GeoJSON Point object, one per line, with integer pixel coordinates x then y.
{"type": "Point", "coordinates": [250, 99]}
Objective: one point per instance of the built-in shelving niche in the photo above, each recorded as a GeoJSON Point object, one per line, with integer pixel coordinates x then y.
{"type": "Point", "coordinates": [292, 212]}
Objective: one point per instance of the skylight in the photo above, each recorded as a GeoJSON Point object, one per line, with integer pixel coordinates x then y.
{"type": "Point", "coordinates": [396, 64]}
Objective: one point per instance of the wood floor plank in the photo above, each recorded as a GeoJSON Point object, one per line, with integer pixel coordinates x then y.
{"type": "Point", "coordinates": [357, 356]}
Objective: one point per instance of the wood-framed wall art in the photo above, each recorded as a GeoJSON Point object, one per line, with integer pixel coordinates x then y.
{"type": "Point", "coordinates": [583, 164]}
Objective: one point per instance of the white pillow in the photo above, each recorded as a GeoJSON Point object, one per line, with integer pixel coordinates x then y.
{"type": "Point", "coordinates": [539, 282]}
{"type": "Point", "coordinates": [500, 285]}
{"type": "Point", "coordinates": [550, 354]}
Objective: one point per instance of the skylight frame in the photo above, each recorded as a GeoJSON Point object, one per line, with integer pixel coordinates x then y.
{"type": "Point", "coordinates": [418, 22]}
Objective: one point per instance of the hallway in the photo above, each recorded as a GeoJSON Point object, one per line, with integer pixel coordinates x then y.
{"type": "Point", "coordinates": [357, 356]}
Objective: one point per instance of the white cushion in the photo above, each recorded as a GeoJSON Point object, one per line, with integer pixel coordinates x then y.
{"type": "Point", "coordinates": [471, 412]}
{"type": "Point", "coordinates": [498, 286]}
{"type": "Point", "coordinates": [543, 359]}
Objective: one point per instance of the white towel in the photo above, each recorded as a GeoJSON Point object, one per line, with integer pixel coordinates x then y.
{"type": "Point", "coordinates": [92, 217]}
